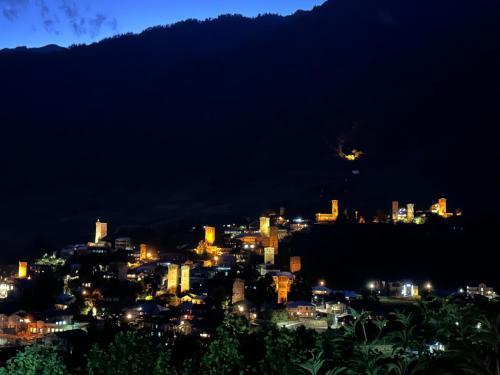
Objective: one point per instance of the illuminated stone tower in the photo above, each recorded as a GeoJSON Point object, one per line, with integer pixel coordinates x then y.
{"type": "Point", "coordinates": [395, 209]}
{"type": "Point", "coordinates": [442, 207]}
{"type": "Point", "coordinates": [264, 226]}
{"type": "Point", "coordinates": [335, 209]}
{"type": "Point", "coordinates": [143, 252]}
{"type": "Point", "coordinates": [101, 231]}
{"type": "Point", "coordinates": [269, 255]}
{"type": "Point", "coordinates": [410, 212]}
{"type": "Point", "coordinates": [274, 239]}
{"type": "Point", "coordinates": [282, 289]}
{"type": "Point", "coordinates": [210, 235]}
{"type": "Point", "coordinates": [185, 270]}
{"type": "Point", "coordinates": [172, 278]}
{"type": "Point", "coordinates": [23, 270]}
{"type": "Point", "coordinates": [238, 291]}
{"type": "Point", "coordinates": [295, 264]}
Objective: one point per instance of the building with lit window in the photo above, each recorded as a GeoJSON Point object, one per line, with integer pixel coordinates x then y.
{"type": "Point", "coordinates": [123, 243]}
{"type": "Point", "coordinates": [301, 310]}
{"type": "Point", "coordinates": [331, 217]}
{"type": "Point", "coordinates": [481, 290]}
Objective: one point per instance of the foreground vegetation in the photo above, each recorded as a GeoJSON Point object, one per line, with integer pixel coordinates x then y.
{"type": "Point", "coordinates": [440, 337]}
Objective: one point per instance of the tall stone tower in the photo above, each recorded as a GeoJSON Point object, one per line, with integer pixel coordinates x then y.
{"type": "Point", "coordinates": [274, 239]}
{"type": "Point", "coordinates": [269, 255]}
{"type": "Point", "coordinates": [238, 291]}
{"type": "Point", "coordinates": [23, 270]}
{"type": "Point", "coordinates": [395, 209]}
{"type": "Point", "coordinates": [410, 212]}
{"type": "Point", "coordinates": [172, 278]}
{"type": "Point", "coordinates": [185, 270]}
{"type": "Point", "coordinates": [265, 224]}
{"type": "Point", "coordinates": [143, 255]}
{"type": "Point", "coordinates": [209, 235]}
{"type": "Point", "coordinates": [295, 264]}
{"type": "Point", "coordinates": [283, 289]}
{"type": "Point", "coordinates": [335, 209]}
{"type": "Point", "coordinates": [101, 231]}
{"type": "Point", "coordinates": [442, 207]}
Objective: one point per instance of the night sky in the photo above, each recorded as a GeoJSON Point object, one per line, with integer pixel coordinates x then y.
{"type": "Point", "coordinates": [35, 23]}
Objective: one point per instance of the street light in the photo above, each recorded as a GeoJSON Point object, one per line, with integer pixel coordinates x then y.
{"type": "Point", "coordinates": [371, 286]}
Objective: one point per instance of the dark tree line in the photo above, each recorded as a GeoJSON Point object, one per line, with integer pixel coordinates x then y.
{"type": "Point", "coordinates": [452, 337]}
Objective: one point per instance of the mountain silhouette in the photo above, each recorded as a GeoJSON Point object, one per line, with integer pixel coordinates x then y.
{"type": "Point", "coordinates": [209, 120]}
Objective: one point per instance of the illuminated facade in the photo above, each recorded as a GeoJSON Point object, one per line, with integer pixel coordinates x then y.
{"type": "Point", "coordinates": [238, 291]}
{"type": "Point", "coordinates": [101, 231]}
{"type": "Point", "coordinates": [143, 252]}
{"type": "Point", "coordinates": [269, 255]}
{"type": "Point", "coordinates": [283, 286]}
{"type": "Point", "coordinates": [395, 211]}
{"type": "Point", "coordinates": [442, 207]}
{"type": "Point", "coordinates": [172, 278]}
{"type": "Point", "coordinates": [23, 270]}
{"type": "Point", "coordinates": [295, 264]}
{"type": "Point", "coordinates": [265, 224]}
{"type": "Point", "coordinates": [210, 235]}
{"type": "Point", "coordinates": [481, 290]}
{"type": "Point", "coordinates": [185, 271]}
{"type": "Point", "coordinates": [321, 218]}
{"type": "Point", "coordinates": [410, 212]}
{"type": "Point", "coordinates": [409, 291]}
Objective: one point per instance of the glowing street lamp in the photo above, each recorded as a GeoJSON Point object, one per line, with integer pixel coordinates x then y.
{"type": "Point", "coordinates": [322, 283]}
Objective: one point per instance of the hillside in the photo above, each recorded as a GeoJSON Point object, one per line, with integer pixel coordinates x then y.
{"type": "Point", "coordinates": [210, 120]}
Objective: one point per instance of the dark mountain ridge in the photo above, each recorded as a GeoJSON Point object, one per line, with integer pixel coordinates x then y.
{"type": "Point", "coordinates": [228, 116]}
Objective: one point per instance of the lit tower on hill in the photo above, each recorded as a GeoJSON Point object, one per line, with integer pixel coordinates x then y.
{"type": "Point", "coordinates": [185, 271]}
{"type": "Point", "coordinates": [331, 217]}
{"type": "Point", "coordinates": [172, 278]}
{"type": "Point", "coordinates": [101, 231]}
{"type": "Point", "coordinates": [143, 252]}
{"type": "Point", "coordinates": [274, 239]}
{"type": "Point", "coordinates": [442, 207]}
{"type": "Point", "coordinates": [269, 255]}
{"type": "Point", "coordinates": [264, 226]}
{"type": "Point", "coordinates": [283, 286]}
{"type": "Point", "coordinates": [23, 270]}
{"type": "Point", "coordinates": [295, 264]}
{"type": "Point", "coordinates": [238, 291]}
{"type": "Point", "coordinates": [335, 209]}
{"type": "Point", "coordinates": [410, 212]}
{"type": "Point", "coordinates": [395, 209]}
{"type": "Point", "coordinates": [210, 235]}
